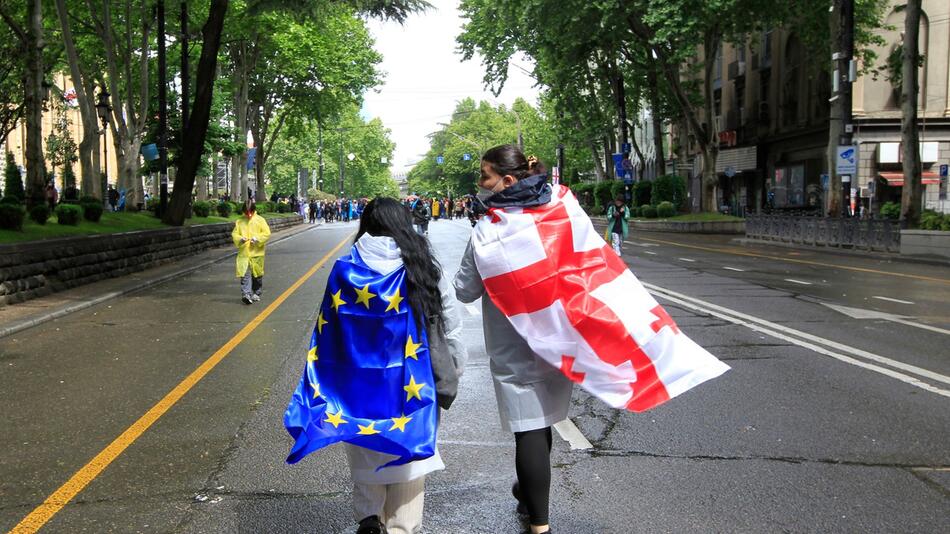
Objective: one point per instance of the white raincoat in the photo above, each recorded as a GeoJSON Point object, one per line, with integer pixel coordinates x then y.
{"type": "Point", "coordinates": [382, 255]}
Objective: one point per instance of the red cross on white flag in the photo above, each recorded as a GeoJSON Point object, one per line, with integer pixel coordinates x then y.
{"type": "Point", "coordinates": [580, 309]}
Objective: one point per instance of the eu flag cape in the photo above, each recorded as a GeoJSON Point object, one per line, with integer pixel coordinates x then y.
{"type": "Point", "coordinates": [368, 377]}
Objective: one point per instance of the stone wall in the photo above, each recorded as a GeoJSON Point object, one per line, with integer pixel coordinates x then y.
{"type": "Point", "coordinates": [35, 269]}
{"type": "Point", "coordinates": [691, 227]}
{"type": "Point", "coordinates": [926, 244]}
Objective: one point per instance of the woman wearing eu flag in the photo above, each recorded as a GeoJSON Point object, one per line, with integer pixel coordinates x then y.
{"type": "Point", "coordinates": [385, 355]}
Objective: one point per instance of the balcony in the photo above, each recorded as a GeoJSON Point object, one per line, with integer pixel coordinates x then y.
{"type": "Point", "coordinates": [736, 69]}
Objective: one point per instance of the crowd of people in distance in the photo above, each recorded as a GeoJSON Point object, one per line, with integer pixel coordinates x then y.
{"type": "Point", "coordinates": [425, 209]}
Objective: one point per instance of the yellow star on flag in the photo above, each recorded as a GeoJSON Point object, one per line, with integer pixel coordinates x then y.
{"type": "Point", "coordinates": [411, 349]}
{"type": "Point", "coordinates": [316, 389]}
{"type": "Point", "coordinates": [368, 430]}
{"type": "Point", "coordinates": [337, 301]}
{"type": "Point", "coordinates": [412, 389]}
{"type": "Point", "coordinates": [312, 355]}
{"type": "Point", "coordinates": [335, 419]}
{"type": "Point", "coordinates": [399, 423]}
{"type": "Point", "coordinates": [394, 301]}
{"type": "Point", "coordinates": [320, 322]}
{"type": "Point", "coordinates": [363, 296]}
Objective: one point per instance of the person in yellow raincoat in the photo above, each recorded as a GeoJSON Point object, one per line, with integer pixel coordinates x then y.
{"type": "Point", "coordinates": [250, 235]}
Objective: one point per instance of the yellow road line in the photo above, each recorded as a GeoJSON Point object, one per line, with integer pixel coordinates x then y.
{"type": "Point", "coordinates": [793, 260]}
{"type": "Point", "coordinates": [59, 498]}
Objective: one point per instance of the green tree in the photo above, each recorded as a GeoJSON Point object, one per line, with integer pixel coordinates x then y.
{"type": "Point", "coordinates": [12, 181]}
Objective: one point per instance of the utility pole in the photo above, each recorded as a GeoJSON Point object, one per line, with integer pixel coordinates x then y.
{"type": "Point", "coordinates": [841, 132]}
{"type": "Point", "coordinates": [162, 112]}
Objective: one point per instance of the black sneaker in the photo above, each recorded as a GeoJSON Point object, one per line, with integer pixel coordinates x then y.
{"type": "Point", "coordinates": [246, 299]}
{"type": "Point", "coordinates": [516, 493]}
{"type": "Point", "coordinates": [371, 525]}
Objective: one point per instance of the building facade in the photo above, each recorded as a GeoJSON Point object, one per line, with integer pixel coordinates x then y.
{"type": "Point", "coordinates": [772, 113]}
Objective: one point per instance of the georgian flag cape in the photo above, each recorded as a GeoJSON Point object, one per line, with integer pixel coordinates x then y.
{"type": "Point", "coordinates": [579, 308]}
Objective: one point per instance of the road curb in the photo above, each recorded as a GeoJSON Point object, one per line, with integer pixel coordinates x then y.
{"type": "Point", "coordinates": [23, 324]}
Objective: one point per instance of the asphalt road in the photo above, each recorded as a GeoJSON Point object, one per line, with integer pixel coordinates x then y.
{"type": "Point", "coordinates": [826, 423]}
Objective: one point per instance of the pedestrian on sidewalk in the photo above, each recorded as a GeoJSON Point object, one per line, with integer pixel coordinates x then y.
{"type": "Point", "coordinates": [420, 214]}
{"type": "Point", "coordinates": [250, 236]}
{"type": "Point", "coordinates": [386, 333]}
{"type": "Point", "coordinates": [617, 215]}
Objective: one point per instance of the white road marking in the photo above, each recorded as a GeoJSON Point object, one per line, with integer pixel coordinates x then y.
{"type": "Point", "coordinates": [862, 313]}
{"type": "Point", "coordinates": [472, 310]}
{"type": "Point", "coordinates": [734, 269]}
{"type": "Point", "coordinates": [650, 253]}
{"type": "Point", "coordinates": [792, 280]}
{"type": "Point", "coordinates": [776, 330]}
{"type": "Point", "coordinates": [634, 243]}
{"type": "Point", "coordinates": [687, 259]}
{"type": "Point", "coordinates": [571, 434]}
{"type": "Point", "coordinates": [889, 299]}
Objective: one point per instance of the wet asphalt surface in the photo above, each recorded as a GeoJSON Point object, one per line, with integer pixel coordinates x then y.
{"type": "Point", "coordinates": [791, 440]}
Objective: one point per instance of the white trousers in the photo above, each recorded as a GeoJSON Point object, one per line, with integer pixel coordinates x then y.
{"type": "Point", "coordinates": [616, 240]}
{"type": "Point", "coordinates": [399, 506]}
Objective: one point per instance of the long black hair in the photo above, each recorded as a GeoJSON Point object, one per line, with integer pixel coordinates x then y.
{"type": "Point", "coordinates": [385, 216]}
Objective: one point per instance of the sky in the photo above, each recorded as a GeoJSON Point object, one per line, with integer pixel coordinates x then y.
{"type": "Point", "coordinates": [425, 77]}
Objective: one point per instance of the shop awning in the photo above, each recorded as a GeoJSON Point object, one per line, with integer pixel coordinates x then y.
{"type": "Point", "coordinates": [896, 179]}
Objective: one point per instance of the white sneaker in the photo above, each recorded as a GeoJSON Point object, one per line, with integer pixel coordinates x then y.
{"type": "Point", "coordinates": [256, 298]}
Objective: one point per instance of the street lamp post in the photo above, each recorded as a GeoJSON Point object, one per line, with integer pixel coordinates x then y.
{"type": "Point", "coordinates": [104, 109]}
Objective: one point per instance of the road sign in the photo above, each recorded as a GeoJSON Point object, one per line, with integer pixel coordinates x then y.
{"type": "Point", "coordinates": [625, 148]}
{"type": "Point", "coordinates": [846, 159]}
{"type": "Point", "coordinates": [439, 160]}
{"type": "Point", "coordinates": [943, 171]}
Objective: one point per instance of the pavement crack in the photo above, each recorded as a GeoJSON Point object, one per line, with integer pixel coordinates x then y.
{"type": "Point", "coordinates": [783, 459]}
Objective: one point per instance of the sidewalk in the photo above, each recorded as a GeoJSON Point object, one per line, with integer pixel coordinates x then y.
{"type": "Point", "coordinates": [18, 317]}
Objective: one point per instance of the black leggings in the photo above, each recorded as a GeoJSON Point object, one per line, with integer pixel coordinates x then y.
{"type": "Point", "coordinates": [533, 465]}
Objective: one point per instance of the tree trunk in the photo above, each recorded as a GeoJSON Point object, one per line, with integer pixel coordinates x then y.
{"type": "Point", "coordinates": [239, 161]}
{"type": "Point", "coordinates": [194, 140]}
{"type": "Point", "coordinates": [598, 166]}
{"type": "Point", "coordinates": [911, 193]}
{"type": "Point", "coordinates": [89, 144]}
{"type": "Point", "coordinates": [710, 145]}
{"type": "Point", "coordinates": [655, 119]}
{"type": "Point", "coordinates": [33, 100]}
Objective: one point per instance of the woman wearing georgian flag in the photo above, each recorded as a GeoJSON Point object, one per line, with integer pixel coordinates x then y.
{"type": "Point", "coordinates": [561, 307]}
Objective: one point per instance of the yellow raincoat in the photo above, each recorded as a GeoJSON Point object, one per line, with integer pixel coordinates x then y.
{"type": "Point", "coordinates": [250, 254]}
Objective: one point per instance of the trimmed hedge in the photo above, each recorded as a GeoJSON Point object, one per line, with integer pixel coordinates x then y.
{"type": "Point", "coordinates": [91, 209]}
{"type": "Point", "coordinates": [40, 214]}
{"type": "Point", "coordinates": [669, 188]}
{"type": "Point", "coordinates": [201, 209]}
{"type": "Point", "coordinates": [931, 220]}
{"type": "Point", "coordinates": [641, 193]}
{"type": "Point", "coordinates": [648, 211]}
{"type": "Point", "coordinates": [69, 214]}
{"type": "Point", "coordinates": [665, 210]}
{"type": "Point", "coordinates": [891, 210]}
{"type": "Point", "coordinates": [224, 209]}
{"type": "Point", "coordinates": [11, 215]}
